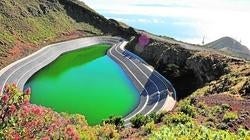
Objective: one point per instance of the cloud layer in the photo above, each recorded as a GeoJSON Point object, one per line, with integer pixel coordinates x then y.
{"type": "Point", "coordinates": [211, 18]}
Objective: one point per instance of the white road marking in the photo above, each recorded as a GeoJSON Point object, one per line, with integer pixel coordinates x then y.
{"type": "Point", "coordinates": [147, 78]}
{"type": "Point", "coordinates": [115, 46]}
{"type": "Point", "coordinates": [21, 66]}
{"type": "Point", "coordinates": [110, 51]}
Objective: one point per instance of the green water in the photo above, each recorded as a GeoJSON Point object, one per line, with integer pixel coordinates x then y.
{"type": "Point", "coordinates": [86, 82]}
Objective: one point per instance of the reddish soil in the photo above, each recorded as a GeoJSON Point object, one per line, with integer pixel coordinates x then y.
{"type": "Point", "coordinates": [237, 104]}
{"type": "Point", "coordinates": [22, 49]}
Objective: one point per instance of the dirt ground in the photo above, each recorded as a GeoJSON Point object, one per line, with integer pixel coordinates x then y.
{"type": "Point", "coordinates": [22, 49]}
{"type": "Point", "coordinates": [237, 104]}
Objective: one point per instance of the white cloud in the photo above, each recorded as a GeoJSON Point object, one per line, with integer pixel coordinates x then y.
{"type": "Point", "coordinates": [212, 18]}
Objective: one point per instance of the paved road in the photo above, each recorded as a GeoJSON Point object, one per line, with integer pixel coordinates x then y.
{"type": "Point", "coordinates": [154, 89]}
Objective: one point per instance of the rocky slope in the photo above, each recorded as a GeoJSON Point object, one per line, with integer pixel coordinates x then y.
{"type": "Point", "coordinates": [28, 25]}
{"type": "Point", "coordinates": [230, 46]}
{"type": "Point", "coordinates": [187, 69]}
{"type": "Point", "coordinates": [209, 85]}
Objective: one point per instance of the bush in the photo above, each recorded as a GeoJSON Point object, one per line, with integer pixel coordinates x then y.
{"type": "Point", "coordinates": [156, 117]}
{"type": "Point", "coordinates": [225, 107]}
{"type": "Point", "coordinates": [210, 124]}
{"type": "Point", "coordinates": [149, 128]}
{"type": "Point", "coordinates": [22, 120]}
{"type": "Point", "coordinates": [215, 110]}
{"type": "Point", "coordinates": [10, 101]}
{"type": "Point", "coordinates": [228, 116]}
{"type": "Point", "coordinates": [117, 121]}
{"type": "Point", "coordinates": [193, 131]}
{"type": "Point", "coordinates": [140, 120]}
{"type": "Point", "coordinates": [107, 131]}
{"type": "Point", "coordinates": [177, 118]}
{"type": "Point", "coordinates": [188, 109]}
{"type": "Point", "coordinates": [222, 126]}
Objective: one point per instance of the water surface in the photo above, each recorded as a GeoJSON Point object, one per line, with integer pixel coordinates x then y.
{"type": "Point", "coordinates": [87, 82]}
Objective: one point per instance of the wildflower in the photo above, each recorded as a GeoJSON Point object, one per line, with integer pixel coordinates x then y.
{"type": "Point", "coordinates": [37, 110]}
{"type": "Point", "coordinates": [26, 101]}
{"type": "Point", "coordinates": [46, 138]}
{"type": "Point", "coordinates": [14, 85]}
{"type": "Point", "coordinates": [5, 98]}
{"type": "Point", "coordinates": [12, 108]}
{"type": "Point", "coordinates": [15, 136]}
{"type": "Point", "coordinates": [6, 89]}
{"type": "Point", "coordinates": [70, 131]}
{"type": "Point", "coordinates": [25, 110]}
{"type": "Point", "coordinates": [27, 91]}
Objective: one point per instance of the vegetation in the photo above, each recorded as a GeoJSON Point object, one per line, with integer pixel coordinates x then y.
{"type": "Point", "coordinates": [34, 23]}
{"type": "Point", "coordinates": [41, 21]}
{"type": "Point", "coordinates": [234, 83]}
{"type": "Point", "coordinates": [229, 116]}
{"type": "Point", "coordinates": [22, 120]}
{"type": "Point", "coordinates": [187, 108]}
{"type": "Point", "coordinates": [114, 120]}
{"type": "Point", "coordinates": [193, 131]}
{"type": "Point", "coordinates": [140, 120]}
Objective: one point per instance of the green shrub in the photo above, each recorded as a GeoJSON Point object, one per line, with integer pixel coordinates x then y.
{"type": "Point", "coordinates": [188, 109]}
{"type": "Point", "coordinates": [107, 132]}
{"type": "Point", "coordinates": [215, 110]}
{"type": "Point", "coordinates": [156, 117]}
{"type": "Point", "coordinates": [177, 118]}
{"type": "Point", "coordinates": [202, 105]}
{"type": "Point", "coordinates": [115, 120]}
{"type": "Point", "coordinates": [222, 126]}
{"type": "Point", "coordinates": [149, 128]}
{"type": "Point", "coordinates": [191, 131]}
{"type": "Point", "coordinates": [225, 107]}
{"type": "Point", "coordinates": [210, 124]}
{"type": "Point", "coordinates": [228, 116]}
{"type": "Point", "coordinates": [140, 120]}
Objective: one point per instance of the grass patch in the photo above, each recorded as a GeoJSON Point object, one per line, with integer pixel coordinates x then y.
{"type": "Point", "coordinates": [230, 116]}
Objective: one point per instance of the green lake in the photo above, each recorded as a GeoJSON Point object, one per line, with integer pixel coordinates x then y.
{"type": "Point", "coordinates": [85, 81]}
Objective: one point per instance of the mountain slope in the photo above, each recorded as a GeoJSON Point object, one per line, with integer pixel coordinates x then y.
{"type": "Point", "coordinates": [213, 89]}
{"type": "Point", "coordinates": [231, 47]}
{"type": "Point", "coordinates": [27, 25]}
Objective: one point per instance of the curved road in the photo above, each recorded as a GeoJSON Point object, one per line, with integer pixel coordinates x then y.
{"type": "Point", "coordinates": [156, 92]}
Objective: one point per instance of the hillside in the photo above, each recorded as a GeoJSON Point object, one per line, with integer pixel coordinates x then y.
{"type": "Point", "coordinates": [230, 46]}
{"type": "Point", "coordinates": [27, 25]}
{"type": "Point", "coordinates": [213, 90]}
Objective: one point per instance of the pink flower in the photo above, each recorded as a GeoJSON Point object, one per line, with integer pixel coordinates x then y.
{"type": "Point", "coordinates": [27, 91]}
{"type": "Point", "coordinates": [15, 136]}
{"type": "Point", "coordinates": [6, 89]}
{"type": "Point", "coordinates": [46, 138]}
{"type": "Point", "coordinates": [26, 102]}
{"type": "Point", "coordinates": [70, 131]}
{"type": "Point", "coordinates": [26, 109]}
{"type": "Point", "coordinates": [37, 110]}
{"type": "Point", "coordinates": [5, 98]}
{"type": "Point", "coordinates": [6, 86]}
{"type": "Point", "coordinates": [14, 85]}
{"type": "Point", "coordinates": [12, 108]}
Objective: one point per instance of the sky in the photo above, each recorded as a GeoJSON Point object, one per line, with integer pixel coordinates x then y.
{"type": "Point", "coordinates": [186, 20]}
